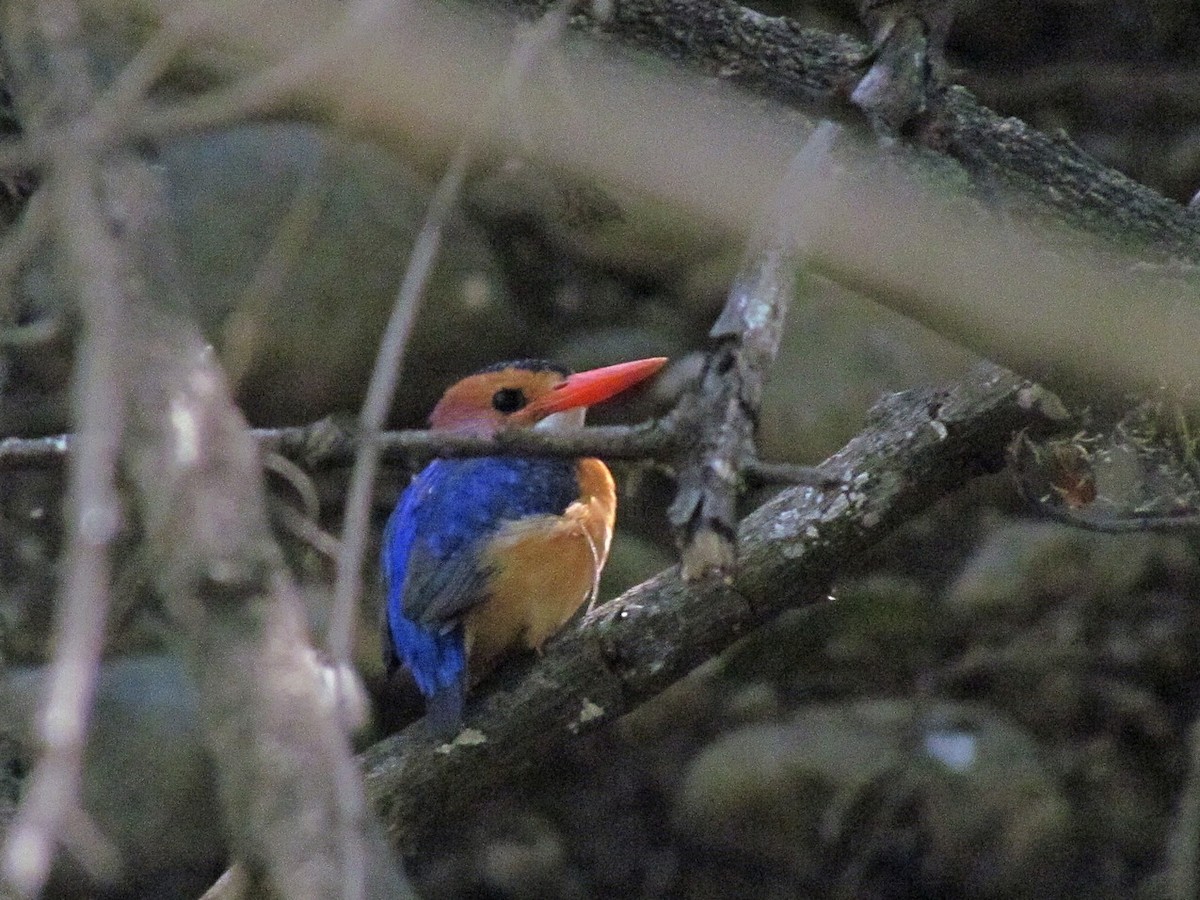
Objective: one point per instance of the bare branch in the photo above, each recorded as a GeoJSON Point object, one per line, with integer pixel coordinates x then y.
{"type": "Point", "coordinates": [760, 473]}
{"type": "Point", "coordinates": [388, 362]}
{"type": "Point", "coordinates": [920, 445]}
{"type": "Point", "coordinates": [36, 452]}
{"type": "Point", "coordinates": [290, 790]}
{"type": "Point", "coordinates": [1065, 314]}
{"type": "Point", "coordinates": [49, 814]}
{"type": "Point", "coordinates": [292, 795]}
{"type": "Point", "coordinates": [322, 444]}
{"type": "Point", "coordinates": [380, 390]}
{"type": "Point", "coordinates": [724, 407]}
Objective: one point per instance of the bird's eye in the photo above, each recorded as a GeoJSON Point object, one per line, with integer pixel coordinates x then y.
{"type": "Point", "coordinates": [508, 400]}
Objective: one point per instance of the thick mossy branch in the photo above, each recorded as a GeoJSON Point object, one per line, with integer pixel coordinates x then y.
{"type": "Point", "coordinates": [919, 446]}
{"type": "Point", "coordinates": [816, 71]}
{"type": "Point", "coordinates": [1075, 308]}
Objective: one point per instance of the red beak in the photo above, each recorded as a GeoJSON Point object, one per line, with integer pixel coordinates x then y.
{"type": "Point", "coordinates": [596, 385]}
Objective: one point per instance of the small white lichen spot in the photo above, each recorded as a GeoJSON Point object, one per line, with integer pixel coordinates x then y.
{"type": "Point", "coordinates": [757, 314]}
{"type": "Point", "coordinates": [187, 433]}
{"type": "Point", "coordinates": [783, 526]}
{"type": "Point", "coordinates": [468, 737]}
{"type": "Point", "coordinates": [723, 470]}
{"type": "Point", "coordinates": [811, 532]}
{"type": "Point", "coordinates": [587, 713]}
{"type": "Point", "coordinates": [343, 694]}
{"type": "Point", "coordinates": [939, 429]}
{"type": "Point", "coordinates": [602, 10]}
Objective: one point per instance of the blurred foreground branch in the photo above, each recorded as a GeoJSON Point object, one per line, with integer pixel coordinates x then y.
{"type": "Point", "coordinates": [816, 71]}
{"type": "Point", "coordinates": [291, 794]}
{"type": "Point", "coordinates": [292, 798]}
{"type": "Point", "coordinates": [919, 446]}
{"type": "Point", "coordinates": [88, 218]}
{"type": "Point", "coordinates": [1077, 310]}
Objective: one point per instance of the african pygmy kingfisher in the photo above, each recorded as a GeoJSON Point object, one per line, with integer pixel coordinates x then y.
{"type": "Point", "coordinates": [485, 556]}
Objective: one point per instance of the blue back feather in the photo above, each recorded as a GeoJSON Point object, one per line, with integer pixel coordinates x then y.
{"type": "Point", "coordinates": [432, 552]}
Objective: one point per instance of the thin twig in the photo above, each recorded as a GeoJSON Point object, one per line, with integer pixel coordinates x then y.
{"type": "Point", "coordinates": [241, 333]}
{"type": "Point", "coordinates": [310, 444]}
{"type": "Point", "coordinates": [95, 519]}
{"type": "Point", "coordinates": [763, 474]}
{"type": "Point", "coordinates": [49, 813]}
{"type": "Point", "coordinates": [249, 98]}
{"type": "Point", "coordinates": [121, 100]}
{"type": "Point", "coordinates": [301, 523]}
{"type": "Point", "coordinates": [305, 529]}
{"type": "Point", "coordinates": [297, 479]}
{"type": "Point", "coordinates": [382, 387]}
{"type": "Point", "coordinates": [745, 339]}
{"type": "Point", "coordinates": [36, 452]}
{"type": "Point", "coordinates": [390, 359]}
{"type": "Point", "coordinates": [1118, 524]}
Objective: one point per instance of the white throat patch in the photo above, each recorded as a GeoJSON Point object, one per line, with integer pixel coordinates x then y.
{"type": "Point", "coordinates": [568, 418]}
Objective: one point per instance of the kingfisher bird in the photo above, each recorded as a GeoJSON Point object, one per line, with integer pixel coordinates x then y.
{"type": "Point", "coordinates": [486, 556]}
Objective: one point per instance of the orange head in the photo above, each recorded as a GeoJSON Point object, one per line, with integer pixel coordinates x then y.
{"type": "Point", "coordinates": [532, 393]}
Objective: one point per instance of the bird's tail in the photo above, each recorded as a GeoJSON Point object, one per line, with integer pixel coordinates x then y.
{"type": "Point", "coordinates": [444, 709]}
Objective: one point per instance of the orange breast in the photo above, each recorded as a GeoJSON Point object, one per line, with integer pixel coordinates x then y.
{"type": "Point", "coordinates": [546, 568]}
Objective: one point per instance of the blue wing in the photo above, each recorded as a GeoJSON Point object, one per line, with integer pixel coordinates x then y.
{"type": "Point", "coordinates": [432, 555]}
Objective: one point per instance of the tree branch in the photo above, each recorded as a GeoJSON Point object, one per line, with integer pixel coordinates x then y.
{"type": "Point", "coordinates": [291, 794]}
{"type": "Point", "coordinates": [1079, 312]}
{"type": "Point", "coordinates": [723, 408]}
{"type": "Point", "coordinates": [292, 797]}
{"type": "Point", "coordinates": [813, 70]}
{"type": "Point", "coordinates": [919, 446]}
{"type": "Point", "coordinates": [87, 230]}
{"type": "Point", "coordinates": [324, 444]}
